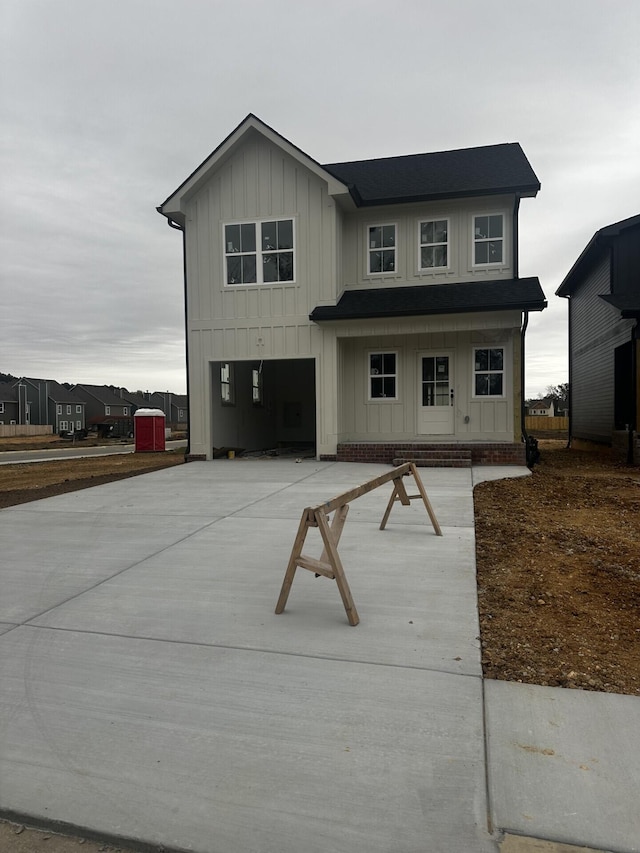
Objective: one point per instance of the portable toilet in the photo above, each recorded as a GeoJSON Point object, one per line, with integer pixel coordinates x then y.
{"type": "Point", "coordinates": [148, 430]}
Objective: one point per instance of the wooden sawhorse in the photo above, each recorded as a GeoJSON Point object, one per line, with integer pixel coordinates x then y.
{"type": "Point", "coordinates": [329, 565]}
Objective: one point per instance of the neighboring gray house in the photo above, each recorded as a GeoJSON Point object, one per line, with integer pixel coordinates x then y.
{"type": "Point", "coordinates": [45, 401]}
{"type": "Point", "coordinates": [174, 406]}
{"type": "Point", "coordinates": [8, 404]}
{"type": "Point", "coordinates": [603, 289]}
{"type": "Point", "coordinates": [365, 308]}
{"type": "Point", "coordinates": [106, 408]}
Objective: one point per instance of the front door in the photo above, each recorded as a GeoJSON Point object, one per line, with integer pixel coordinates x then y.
{"type": "Point", "coordinates": [435, 393]}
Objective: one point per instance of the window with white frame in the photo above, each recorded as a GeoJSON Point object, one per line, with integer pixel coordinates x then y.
{"type": "Point", "coordinates": [226, 384]}
{"type": "Point", "coordinates": [68, 410]}
{"type": "Point", "coordinates": [78, 410]}
{"type": "Point", "coordinates": [107, 410]}
{"type": "Point", "coordinates": [256, 386]}
{"type": "Point", "coordinates": [78, 424]}
{"type": "Point", "coordinates": [58, 409]}
{"type": "Point", "coordinates": [381, 252]}
{"type": "Point", "coordinates": [383, 376]}
{"type": "Point", "coordinates": [259, 252]}
{"type": "Point", "coordinates": [125, 410]}
{"type": "Point", "coordinates": [488, 239]}
{"type": "Point", "coordinates": [434, 244]}
{"type": "Point", "coordinates": [488, 371]}
{"type": "Point", "coordinates": [63, 425]}
{"type": "Point", "coordinates": [1, 408]}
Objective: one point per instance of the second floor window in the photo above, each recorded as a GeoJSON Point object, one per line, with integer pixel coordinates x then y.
{"type": "Point", "coordinates": [68, 410]}
{"type": "Point", "coordinates": [382, 248]}
{"type": "Point", "coordinates": [125, 410]}
{"type": "Point", "coordinates": [488, 239]}
{"type": "Point", "coordinates": [259, 252]}
{"type": "Point", "coordinates": [78, 410]}
{"type": "Point", "coordinates": [59, 409]}
{"type": "Point", "coordinates": [107, 410]}
{"type": "Point", "coordinates": [434, 244]}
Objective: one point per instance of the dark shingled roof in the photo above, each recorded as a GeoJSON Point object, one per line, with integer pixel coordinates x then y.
{"type": "Point", "coordinates": [519, 294]}
{"type": "Point", "coordinates": [600, 242]}
{"type": "Point", "coordinates": [487, 170]}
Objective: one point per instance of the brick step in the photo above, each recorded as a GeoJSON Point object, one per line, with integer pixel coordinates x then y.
{"type": "Point", "coordinates": [436, 459]}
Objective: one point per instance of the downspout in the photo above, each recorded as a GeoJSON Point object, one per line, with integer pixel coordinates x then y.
{"type": "Point", "coordinates": [516, 274]}
{"type": "Point", "coordinates": [522, 375]}
{"type": "Point", "coordinates": [173, 224]}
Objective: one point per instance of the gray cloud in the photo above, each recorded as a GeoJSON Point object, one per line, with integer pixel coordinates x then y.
{"type": "Point", "coordinates": [108, 106]}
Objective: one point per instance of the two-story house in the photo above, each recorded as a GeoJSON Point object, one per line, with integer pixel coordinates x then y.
{"type": "Point", "coordinates": [603, 289]}
{"type": "Point", "coordinates": [366, 308]}
{"type": "Point", "coordinates": [174, 407]}
{"type": "Point", "coordinates": [106, 409]}
{"type": "Point", "coordinates": [542, 408]}
{"type": "Point", "coordinates": [45, 401]}
{"type": "Point", "coordinates": [8, 404]}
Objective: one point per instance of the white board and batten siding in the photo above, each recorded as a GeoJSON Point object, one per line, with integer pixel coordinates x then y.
{"type": "Point", "coordinates": [474, 418]}
{"type": "Point", "coordinates": [251, 322]}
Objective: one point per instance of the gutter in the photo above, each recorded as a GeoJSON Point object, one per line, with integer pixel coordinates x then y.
{"type": "Point", "coordinates": [173, 224]}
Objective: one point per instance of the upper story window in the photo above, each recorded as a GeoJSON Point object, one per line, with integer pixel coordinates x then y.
{"type": "Point", "coordinates": [68, 410]}
{"type": "Point", "coordinates": [488, 371]}
{"type": "Point", "coordinates": [125, 410]}
{"type": "Point", "coordinates": [1, 408]}
{"type": "Point", "coordinates": [488, 239]}
{"type": "Point", "coordinates": [434, 244]}
{"type": "Point", "coordinates": [107, 410]}
{"type": "Point", "coordinates": [259, 252]}
{"type": "Point", "coordinates": [382, 249]}
{"type": "Point", "coordinates": [79, 410]}
{"type": "Point", "coordinates": [59, 409]}
{"type": "Point", "coordinates": [383, 376]}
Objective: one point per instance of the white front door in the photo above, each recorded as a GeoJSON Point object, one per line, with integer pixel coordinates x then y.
{"type": "Point", "coordinates": [435, 393]}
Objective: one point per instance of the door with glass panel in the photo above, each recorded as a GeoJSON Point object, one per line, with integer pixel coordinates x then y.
{"type": "Point", "coordinates": [435, 393]}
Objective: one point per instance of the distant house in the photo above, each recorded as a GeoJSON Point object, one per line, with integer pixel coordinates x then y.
{"type": "Point", "coordinates": [106, 409]}
{"type": "Point", "coordinates": [8, 404]}
{"type": "Point", "coordinates": [542, 408]}
{"type": "Point", "coordinates": [363, 308]}
{"type": "Point", "coordinates": [174, 407]}
{"type": "Point", "coordinates": [603, 289]}
{"type": "Point", "coordinates": [45, 401]}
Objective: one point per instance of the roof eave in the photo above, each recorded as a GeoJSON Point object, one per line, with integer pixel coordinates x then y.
{"type": "Point", "coordinates": [527, 191]}
{"type": "Point", "coordinates": [532, 305]}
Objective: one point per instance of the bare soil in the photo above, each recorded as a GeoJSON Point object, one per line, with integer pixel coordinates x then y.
{"type": "Point", "coordinates": [558, 564]}
{"type": "Point", "coordinates": [32, 481]}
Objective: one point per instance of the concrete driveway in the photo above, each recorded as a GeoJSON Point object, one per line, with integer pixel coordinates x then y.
{"type": "Point", "coordinates": [149, 692]}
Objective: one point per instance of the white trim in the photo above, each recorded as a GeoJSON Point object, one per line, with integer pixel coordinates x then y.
{"type": "Point", "coordinates": [368, 249]}
{"type": "Point", "coordinates": [369, 376]}
{"type": "Point", "coordinates": [230, 383]}
{"type": "Point", "coordinates": [78, 410]}
{"type": "Point", "coordinates": [503, 372]}
{"type": "Point", "coordinates": [433, 270]}
{"type": "Point", "coordinates": [259, 252]}
{"type": "Point", "coordinates": [489, 264]}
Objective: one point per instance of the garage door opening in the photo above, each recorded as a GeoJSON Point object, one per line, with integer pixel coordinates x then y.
{"type": "Point", "coordinates": [264, 407]}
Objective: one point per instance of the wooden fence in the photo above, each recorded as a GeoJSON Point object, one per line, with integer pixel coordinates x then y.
{"type": "Point", "coordinates": [13, 430]}
{"type": "Point", "coordinates": [541, 423]}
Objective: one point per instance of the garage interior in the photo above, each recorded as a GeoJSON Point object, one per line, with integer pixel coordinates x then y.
{"type": "Point", "coordinates": [264, 407]}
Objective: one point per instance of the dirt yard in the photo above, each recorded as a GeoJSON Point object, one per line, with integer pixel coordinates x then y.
{"type": "Point", "coordinates": [558, 564]}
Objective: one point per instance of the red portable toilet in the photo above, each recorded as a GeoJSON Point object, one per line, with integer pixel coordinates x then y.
{"type": "Point", "coordinates": [148, 430]}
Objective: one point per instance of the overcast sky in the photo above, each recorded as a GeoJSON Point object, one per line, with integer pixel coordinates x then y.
{"type": "Point", "coordinates": [108, 106]}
